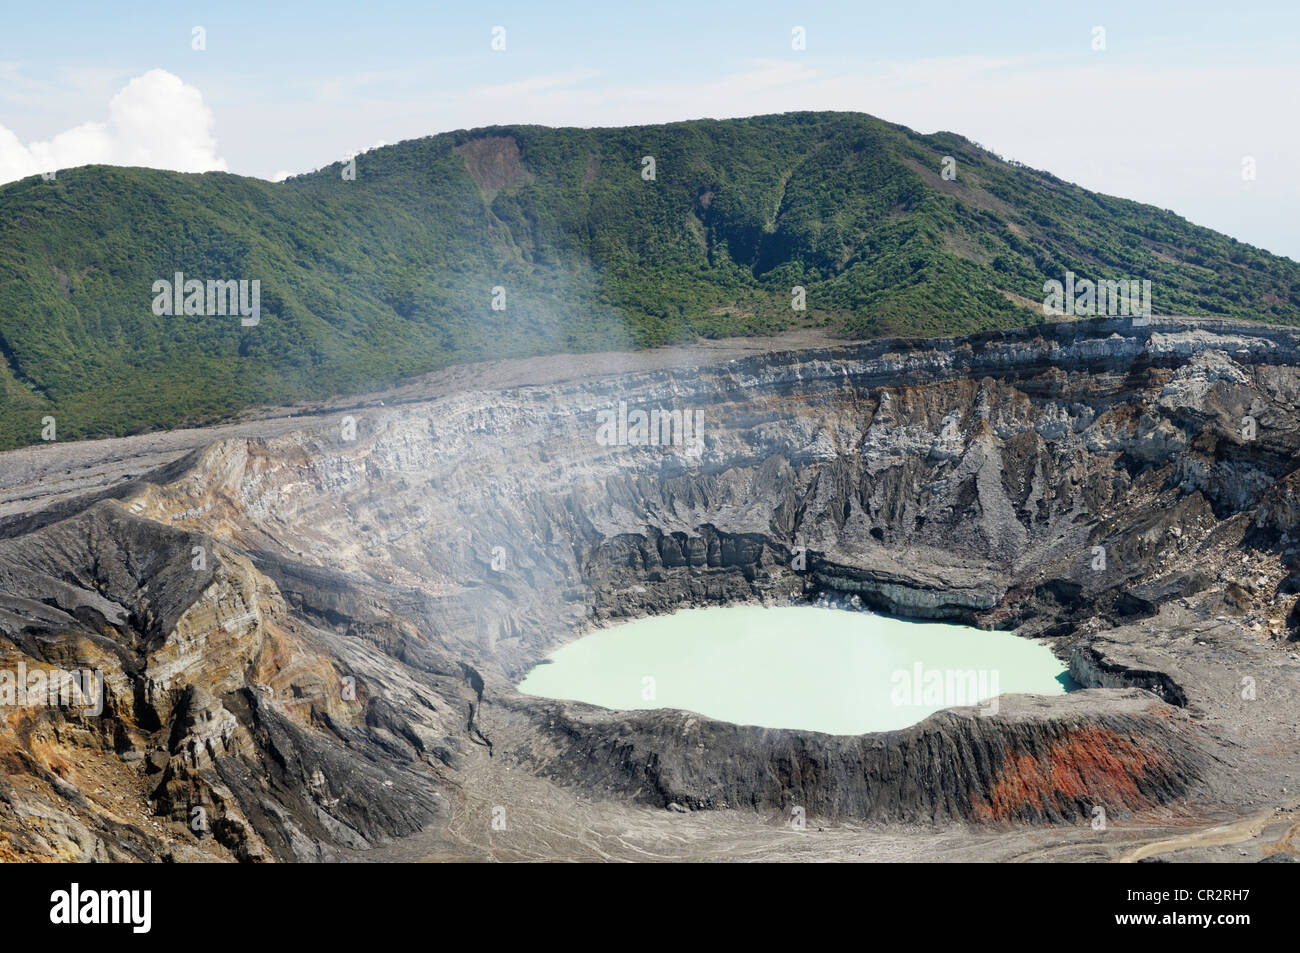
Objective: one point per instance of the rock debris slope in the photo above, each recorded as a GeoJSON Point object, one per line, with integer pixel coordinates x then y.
{"type": "Point", "coordinates": [309, 628]}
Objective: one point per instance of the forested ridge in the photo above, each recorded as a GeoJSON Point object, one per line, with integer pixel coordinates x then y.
{"type": "Point", "coordinates": [370, 278]}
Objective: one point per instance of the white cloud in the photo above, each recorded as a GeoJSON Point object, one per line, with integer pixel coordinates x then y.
{"type": "Point", "coordinates": [156, 121]}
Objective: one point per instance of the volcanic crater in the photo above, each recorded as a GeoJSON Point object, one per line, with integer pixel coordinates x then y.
{"type": "Point", "coordinates": [311, 622]}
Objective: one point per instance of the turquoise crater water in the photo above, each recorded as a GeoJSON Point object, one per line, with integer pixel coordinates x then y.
{"type": "Point", "coordinates": [804, 667]}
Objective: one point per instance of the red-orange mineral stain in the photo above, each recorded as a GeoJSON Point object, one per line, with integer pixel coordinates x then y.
{"type": "Point", "coordinates": [1090, 764]}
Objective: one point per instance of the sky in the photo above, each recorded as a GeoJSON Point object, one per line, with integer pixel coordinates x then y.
{"type": "Point", "coordinates": [1188, 106]}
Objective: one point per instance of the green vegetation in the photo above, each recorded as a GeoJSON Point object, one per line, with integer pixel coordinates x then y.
{"type": "Point", "coordinates": [369, 281]}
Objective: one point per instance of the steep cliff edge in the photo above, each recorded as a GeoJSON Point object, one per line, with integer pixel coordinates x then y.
{"type": "Point", "coordinates": [309, 630]}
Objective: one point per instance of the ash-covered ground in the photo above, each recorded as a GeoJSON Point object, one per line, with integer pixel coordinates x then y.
{"type": "Point", "coordinates": [309, 623]}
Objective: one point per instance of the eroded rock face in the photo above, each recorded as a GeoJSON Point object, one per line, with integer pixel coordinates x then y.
{"type": "Point", "coordinates": [309, 634]}
{"type": "Point", "coordinates": [1030, 761]}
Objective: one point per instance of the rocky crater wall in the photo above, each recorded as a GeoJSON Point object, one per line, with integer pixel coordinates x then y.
{"type": "Point", "coordinates": [373, 584]}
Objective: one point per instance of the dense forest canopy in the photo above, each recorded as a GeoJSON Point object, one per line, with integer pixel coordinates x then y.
{"type": "Point", "coordinates": [390, 265]}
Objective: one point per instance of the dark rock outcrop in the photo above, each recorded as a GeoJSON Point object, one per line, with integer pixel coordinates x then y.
{"type": "Point", "coordinates": [1029, 762]}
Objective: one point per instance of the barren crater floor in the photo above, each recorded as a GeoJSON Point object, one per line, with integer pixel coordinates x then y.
{"type": "Point", "coordinates": [311, 624]}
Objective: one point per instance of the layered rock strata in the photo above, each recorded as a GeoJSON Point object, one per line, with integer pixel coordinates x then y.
{"type": "Point", "coordinates": [309, 629]}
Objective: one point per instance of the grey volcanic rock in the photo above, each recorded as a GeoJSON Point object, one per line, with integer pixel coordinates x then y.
{"type": "Point", "coordinates": [309, 628]}
{"type": "Point", "coordinates": [1090, 665]}
{"type": "Point", "coordinates": [1030, 761]}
